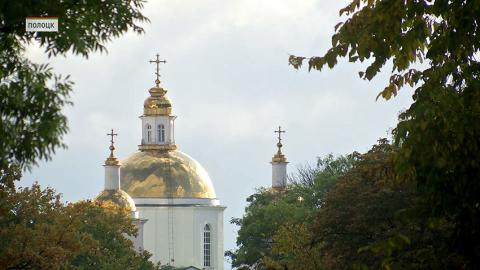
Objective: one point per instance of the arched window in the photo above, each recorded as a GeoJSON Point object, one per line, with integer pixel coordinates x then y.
{"type": "Point", "coordinates": [149, 133]}
{"type": "Point", "coordinates": [207, 246]}
{"type": "Point", "coordinates": [161, 133]}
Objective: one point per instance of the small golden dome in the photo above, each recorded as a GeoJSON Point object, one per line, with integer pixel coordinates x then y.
{"type": "Point", "coordinates": [279, 157]}
{"type": "Point", "coordinates": [157, 103]}
{"type": "Point", "coordinates": [165, 174]}
{"type": "Point", "coordinates": [117, 197]}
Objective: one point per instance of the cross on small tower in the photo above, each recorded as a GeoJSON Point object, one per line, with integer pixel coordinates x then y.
{"type": "Point", "coordinates": [112, 147]}
{"type": "Point", "coordinates": [111, 134]}
{"type": "Point", "coordinates": [279, 131]}
{"type": "Point", "coordinates": [157, 61]}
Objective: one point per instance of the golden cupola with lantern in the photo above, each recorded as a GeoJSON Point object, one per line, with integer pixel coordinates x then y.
{"type": "Point", "coordinates": [158, 169]}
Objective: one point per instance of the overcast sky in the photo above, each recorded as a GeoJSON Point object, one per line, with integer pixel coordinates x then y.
{"type": "Point", "coordinates": [231, 86]}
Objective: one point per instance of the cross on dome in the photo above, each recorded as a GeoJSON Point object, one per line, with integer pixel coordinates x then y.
{"type": "Point", "coordinates": [157, 61]}
{"type": "Point", "coordinates": [112, 147]}
{"type": "Point", "coordinates": [279, 131]}
{"type": "Point", "coordinates": [279, 144]}
{"type": "Point", "coordinates": [111, 134]}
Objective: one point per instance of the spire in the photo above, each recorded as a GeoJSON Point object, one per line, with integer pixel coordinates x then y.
{"type": "Point", "coordinates": [279, 156]}
{"type": "Point", "coordinates": [111, 160]}
{"type": "Point", "coordinates": [279, 164]}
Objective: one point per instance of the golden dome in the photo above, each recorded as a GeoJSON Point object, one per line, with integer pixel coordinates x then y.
{"type": "Point", "coordinates": [117, 197]}
{"type": "Point", "coordinates": [157, 103]}
{"type": "Point", "coordinates": [165, 174]}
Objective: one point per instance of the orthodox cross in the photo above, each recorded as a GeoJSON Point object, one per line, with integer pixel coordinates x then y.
{"type": "Point", "coordinates": [157, 61]}
{"type": "Point", "coordinates": [279, 131]}
{"type": "Point", "coordinates": [111, 134]}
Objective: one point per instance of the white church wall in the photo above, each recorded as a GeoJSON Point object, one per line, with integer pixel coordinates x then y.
{"type": "Point", "coordinates": [213, 216]}
{"type": "Point", "coordinates": [188, 224]}
{"type": "Point", "coordinates": [138, 239]}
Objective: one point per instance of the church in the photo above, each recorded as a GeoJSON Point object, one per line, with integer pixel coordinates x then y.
{"type": "Point", "coordinates": [170, 195]}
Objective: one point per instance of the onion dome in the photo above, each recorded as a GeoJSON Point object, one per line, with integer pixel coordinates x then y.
{"type": "Point", "coordinates": [279, 156]}
{"type": "Point", "coordinates": [157, 103]}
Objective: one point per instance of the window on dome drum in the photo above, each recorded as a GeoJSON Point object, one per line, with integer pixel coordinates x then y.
{"type": "Point", "coordinates": [207, 245]}
{"type": "Point", "coordinates": [149, 133]}
{"type": "Point", "coordinates": [161, 133]}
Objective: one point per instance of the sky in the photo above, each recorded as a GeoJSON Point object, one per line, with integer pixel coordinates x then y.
{"type": "Point", "coordinates": [231, 86]}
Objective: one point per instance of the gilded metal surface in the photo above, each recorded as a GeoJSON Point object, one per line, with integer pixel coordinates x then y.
{"type": "Point", "coordinates": [165, 174]}
{"type": "Point", "coordinates": [279, 156]}
{"type": "Point", "coordinates": [112, 161]}
{"type": "Point", "coordinates": [117, 197]}
{"type": "Point", "coordinates": [157, 147]}
{"type": "Point", "coordinates": [157, 103]}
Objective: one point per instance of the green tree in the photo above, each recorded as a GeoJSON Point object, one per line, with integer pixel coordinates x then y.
{"type": "Point", "coordinates": [269, 210]}
{"type": "Point", "coordinates": [366, 221]}
{"type": "Point", "coordinates": [107, 226]}
{"type": "Point", "coordinates": [433, 47]}
{"type": "Point", "coordinates": [37, 231]}
{"type": "Point", "coordinates": [293, 248]}
{"type": "Point", "coordinates": [31, 95]}
{"type": "Point", "coordinates": [362, 210]}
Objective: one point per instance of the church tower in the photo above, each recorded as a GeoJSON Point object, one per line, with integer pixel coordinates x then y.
{"type": "Point", "coordinates": [113, 194]}
{"type": "Point", "coordinates": [279, 164]}
{"type": "Point", "coordinates": [157, 119]}
{"type": "Point", "coordinates": [172, 191]}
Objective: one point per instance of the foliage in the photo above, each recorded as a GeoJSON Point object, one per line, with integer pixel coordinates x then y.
{"type": "Point", "coordinates": [366, 221]}
{"type": "Point", "coordinates": [440, 151]}
{"type": "Point", "coordinates": [269, 210]}
{"type": "Point", "coordinates": [265, 214]}
{"type": "Point", "coordinates": [361, 210]}
{"type": "Point", "coordinates": [38, 231]}
{"type": "Point", "coordinates": [32, 124]}
{"type": "Point", "coordinates": [31, 95]}
{"type": "Point", "coordinates": [81, 30]}
{"type": "Point", "coordinates": [107, 225]}
{"type": "Point", "coordinates": [293, 249]}
{"type": "Point", "coordinates": [434, 47]}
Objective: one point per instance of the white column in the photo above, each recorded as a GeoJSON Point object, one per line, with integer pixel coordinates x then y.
{"type": "Point", "coordinates": [112, 177]}
{"type": "Point", "coordinates": [138, 239]}
{"type": "Point", "coordinates": [279, 174]}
